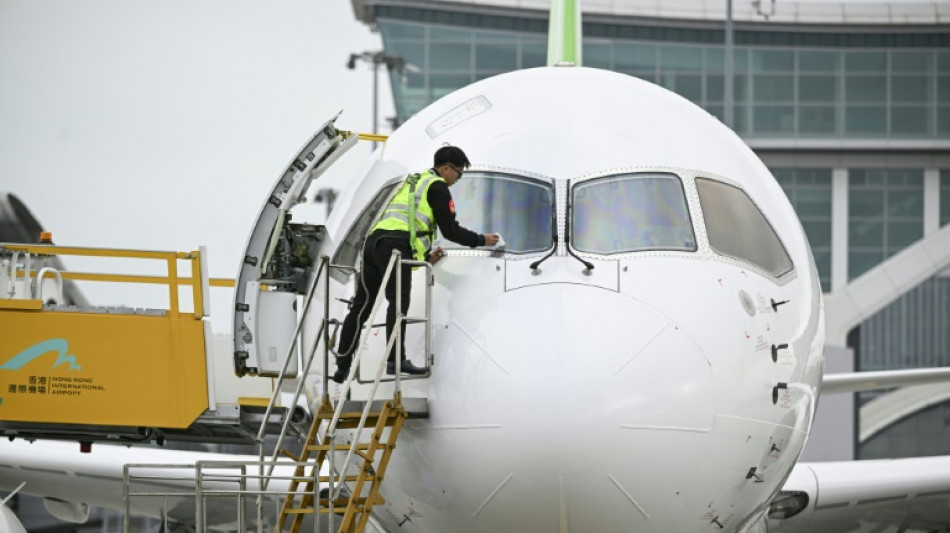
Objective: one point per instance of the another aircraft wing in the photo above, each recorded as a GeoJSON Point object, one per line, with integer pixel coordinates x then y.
{"type": "Point", "coordinates": [863, 381]}
{"type": "Point", "coordinates": [162, 485]}
{"type": "Point", "coordinates": [889, 495]}
{"type": "Point", "coordinates": [59, 471]}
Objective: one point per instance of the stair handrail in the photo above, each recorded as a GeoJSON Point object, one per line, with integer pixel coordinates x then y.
{"type": "Point", "coordinates": [403, 318]}
{"type": "Point", "coordinates": [335, 489]}
{"type": "Point", "coordinates": [322, 271]}
{"type": "Point", "coordinates": [395, 263]}
{"type": "Point", "coordinates": [324, 262]}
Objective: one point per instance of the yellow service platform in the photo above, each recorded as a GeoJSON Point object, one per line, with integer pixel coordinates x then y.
{"type": "Point", "coordinates": [86, 368]}
{"type": "Point", "coordinates": [61, 364]}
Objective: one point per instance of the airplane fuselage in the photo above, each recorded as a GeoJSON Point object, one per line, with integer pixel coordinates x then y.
{"type": "Point", "coordinates": [671, 387]}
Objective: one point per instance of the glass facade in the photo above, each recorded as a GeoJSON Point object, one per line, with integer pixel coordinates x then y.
{"type": "Point", "coordinates": [885, 215]}
{"type": "Point", "coordinates": [884, 341]}
{"type": "Point", "coordinates": [924, 434]}
{"type": "Point", "coordinates": [448, 58]}
{"type": "Point", "coordinates": [780, 91]}
{"type": "Point", "coordinates": [910, 333]}
{"type": "Point", "coordinates": [809, 190]}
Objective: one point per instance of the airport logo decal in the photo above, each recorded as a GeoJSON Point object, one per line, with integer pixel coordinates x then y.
{"type": "Point", "coordinates": [58, 345]}
{"type": "Point", "coordinates": [39, 384]}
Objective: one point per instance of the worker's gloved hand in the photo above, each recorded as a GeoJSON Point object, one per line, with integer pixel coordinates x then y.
{"type": "Point", "coordinates": [435, 254]}
{"type": "Point", "coordinates": [491, 239]}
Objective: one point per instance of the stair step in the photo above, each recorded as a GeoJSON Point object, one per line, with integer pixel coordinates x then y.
{"type": "Point", "coordinates": [344, 447]}
{"type": "Point", "coordinates": [337, 447]}
{"type": "Point", "coordinates": [370, 416]}
{"type": "Point", "coordinates": [352, 424]}
{"type": "Point", "coordinates": [414, 407]}
{"type": "Point", "coordinates": [340, 502]}
{"type": "Point", "coordinates": [304, 482]}
{"type": "Point", "coordinates": [298, 510]}
{"type": "Point", "coordinates": [339, 507]}
{"type": "Point", "coordinates": [360, 503]}
{"type": "Point", "coordinates": [302, 487]}
{"type": "Point", "coordinates": [351, 478]}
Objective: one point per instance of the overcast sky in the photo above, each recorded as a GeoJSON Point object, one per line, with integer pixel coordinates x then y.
{"type": "Point", "coordinates": [162, 124]}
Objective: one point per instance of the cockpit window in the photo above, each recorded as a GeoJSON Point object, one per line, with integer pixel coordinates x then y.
{"type": "Point", "coordinates": [631, 212]}
{"type": "Point", "coordinates": [520, 209]}
{"type": "Point", "coordinates": [737, 228]}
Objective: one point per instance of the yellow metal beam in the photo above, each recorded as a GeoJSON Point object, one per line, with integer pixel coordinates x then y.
{"type": "Point", "coordinates": [373, 137]}
{"type": "Point", "coordinates": [118, 278]}
{"type": "Point", "coordinates": [253, 402]}
{"type": "Point", "coordinates": [22, 305]}
{"type": "Point", "coordinates": [131, 278]}
{"type": "Point", "coordinates": [46, 249]}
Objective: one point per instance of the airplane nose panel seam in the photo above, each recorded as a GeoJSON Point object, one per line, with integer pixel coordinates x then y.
{"type": "Point", "coordinates": [479, 346]}
{"type": "Point", "coordinates": [493, 493]}
{"type": "Point", "coordinates": [628, 496]}
{"type": "Point", "coordinates": [644, 346]}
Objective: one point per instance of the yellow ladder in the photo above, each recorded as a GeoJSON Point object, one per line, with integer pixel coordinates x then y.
{"type": "Point", "coordinates": [356, 507]}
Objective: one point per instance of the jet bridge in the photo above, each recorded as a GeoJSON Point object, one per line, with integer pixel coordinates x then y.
{"type": "Point", "coordinates": [90, 373]}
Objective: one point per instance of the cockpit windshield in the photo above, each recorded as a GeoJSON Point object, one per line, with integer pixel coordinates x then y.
{"type": "Point", "coordinates": [520, 209]}
{"type": "Point", "coordinates": [737, 228]}
{"type": "Point", "coordinates": [631, 212]}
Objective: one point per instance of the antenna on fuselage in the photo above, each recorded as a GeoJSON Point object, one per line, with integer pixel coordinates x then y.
{"type": "Point", "coordinates": [565, 43]}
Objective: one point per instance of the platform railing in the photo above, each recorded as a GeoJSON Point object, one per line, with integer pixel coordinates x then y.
{"type": "Point", "coordinates": [157, 489]}
{"type": "Point", "coordinates": [198, 281]}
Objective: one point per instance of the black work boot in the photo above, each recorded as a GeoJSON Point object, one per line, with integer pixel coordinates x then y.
{"type": "Point", "coordinates": [342, 369]}
{"type": "Point", "coordinates": [407, 368]}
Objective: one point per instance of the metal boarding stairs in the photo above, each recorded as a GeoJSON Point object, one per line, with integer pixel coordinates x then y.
{"type": "Point", "coordinates": [338, 496]}
{"type": "Point", "coordinates": [361, 489]}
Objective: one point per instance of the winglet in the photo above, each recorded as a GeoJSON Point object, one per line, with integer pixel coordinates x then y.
{"type": "Point", "coordinates": [564, 32]}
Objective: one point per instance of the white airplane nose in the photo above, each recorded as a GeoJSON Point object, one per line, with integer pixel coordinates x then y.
{"type": "Point", "coordinates": [576, 400]}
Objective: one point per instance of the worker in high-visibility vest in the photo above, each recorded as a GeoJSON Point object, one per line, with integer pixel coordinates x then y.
{"type": "Point", "coordinates": [409, 225]}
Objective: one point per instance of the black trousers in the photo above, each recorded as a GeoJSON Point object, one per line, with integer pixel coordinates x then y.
{"type": "Point", "coordinates": [376, 255]}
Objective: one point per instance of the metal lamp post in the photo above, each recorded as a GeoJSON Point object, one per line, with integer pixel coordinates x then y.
{"type": "Point", "coordinates": [392, 62]}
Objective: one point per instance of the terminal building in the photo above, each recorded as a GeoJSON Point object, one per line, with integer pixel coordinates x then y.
{"type": "Point", "coordinates": [847, 103]}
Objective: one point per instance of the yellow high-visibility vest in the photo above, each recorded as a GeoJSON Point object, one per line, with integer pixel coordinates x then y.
{"type": "Point", "coordinates": [410, 211]}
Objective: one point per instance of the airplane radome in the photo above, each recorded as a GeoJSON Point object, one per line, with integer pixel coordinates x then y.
{"type": "Point", "coordinates": [671, 387]}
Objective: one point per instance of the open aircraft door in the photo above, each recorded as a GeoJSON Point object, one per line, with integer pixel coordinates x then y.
{"type": "Point", "coordinates": [278, 260]}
